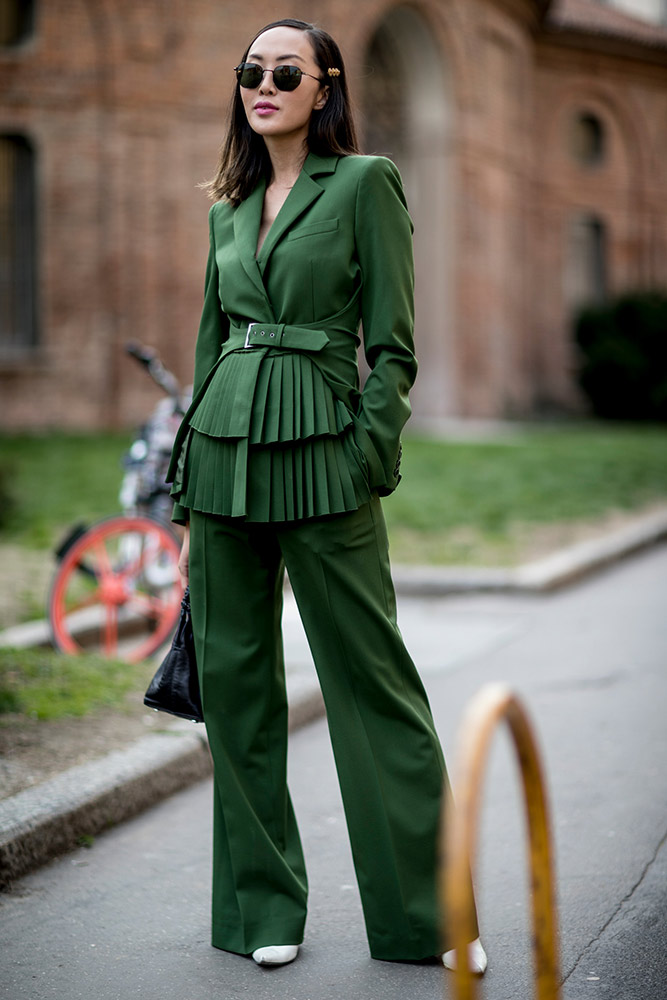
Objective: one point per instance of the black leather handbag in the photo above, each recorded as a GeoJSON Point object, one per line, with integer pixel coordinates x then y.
{"type": "Point", "coordinates": [175, 687]}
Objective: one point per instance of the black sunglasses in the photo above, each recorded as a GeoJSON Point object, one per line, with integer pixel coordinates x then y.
{"type": "Point", "coordinates": [250, 76]}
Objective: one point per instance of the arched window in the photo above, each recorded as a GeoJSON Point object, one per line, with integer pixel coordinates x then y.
{"type": "Point", "coordinates": [587, 139]}
{"type": "Point", "coordinates": [586, 263]}
{"type": "Point", "coordinates": [18, 314]}
{"type": "Point", "coordinates": [16, 21]}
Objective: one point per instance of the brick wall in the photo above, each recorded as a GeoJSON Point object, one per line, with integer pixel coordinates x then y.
{"type": "Point", "coordinates": [125, 104]}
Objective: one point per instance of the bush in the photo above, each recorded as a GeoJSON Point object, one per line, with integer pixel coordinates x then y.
{"type": "Point", "coordinates": [623, 356]}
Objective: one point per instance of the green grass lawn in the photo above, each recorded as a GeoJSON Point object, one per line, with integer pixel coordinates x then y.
{"type": "Point", "coordinates": [459, 501]}
{"type": "Point", "coordinates": [466, 503]}
{"type": "Point", "coordinates": [50, 481]}
{"type": "Point", "coordinates": [42, 684]}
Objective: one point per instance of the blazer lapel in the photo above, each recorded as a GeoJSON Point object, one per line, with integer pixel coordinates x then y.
{"type": "Point", "coordinates": [306, 190]}
{"type": "Point", "coordinates": [247, 219]}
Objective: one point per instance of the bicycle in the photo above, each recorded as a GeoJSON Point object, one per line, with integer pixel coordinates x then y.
{"type": "Point", "coordinates": [117, 589]}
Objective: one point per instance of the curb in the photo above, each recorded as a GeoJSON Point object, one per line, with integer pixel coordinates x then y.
{"type": "Point", "coordinates": [42, 822]}
{"type": "Point", "coordinates": [58, 815]}
{"type": "Point", "coordinates": [557, 570]}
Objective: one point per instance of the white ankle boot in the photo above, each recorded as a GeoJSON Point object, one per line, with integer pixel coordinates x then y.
{"type": "Point", "coordinates": [276, 954]}
{"type": "Point", "coordinates": [477, 959]}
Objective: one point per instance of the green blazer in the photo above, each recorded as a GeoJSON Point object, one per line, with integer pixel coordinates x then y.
{"type": "Point", "coordinates": [338, 255]}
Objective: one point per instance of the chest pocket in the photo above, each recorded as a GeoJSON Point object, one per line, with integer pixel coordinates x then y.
{"type": "Point", "coordinates": [314, 229]}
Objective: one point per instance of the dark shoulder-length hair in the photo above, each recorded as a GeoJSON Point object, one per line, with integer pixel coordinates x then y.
{"type": "Point", "coordinates": [244, 158]}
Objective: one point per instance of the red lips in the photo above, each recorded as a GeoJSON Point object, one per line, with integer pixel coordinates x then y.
{"type": "Point", "coordinates": [265, 106]}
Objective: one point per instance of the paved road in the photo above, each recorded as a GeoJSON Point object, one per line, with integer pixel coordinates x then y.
{"type": "Point", "coordinates": [129, 917]}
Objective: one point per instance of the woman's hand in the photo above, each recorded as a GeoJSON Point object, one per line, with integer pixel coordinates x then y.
{"type": "Point", "coordinates": [184, 558]}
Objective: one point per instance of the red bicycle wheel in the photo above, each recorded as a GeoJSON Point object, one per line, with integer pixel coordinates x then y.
{"type": "Point", "coordinates": [117, 590]}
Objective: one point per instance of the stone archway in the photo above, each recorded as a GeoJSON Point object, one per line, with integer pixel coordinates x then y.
{"type": "Point", "coordinates": [407, 115]}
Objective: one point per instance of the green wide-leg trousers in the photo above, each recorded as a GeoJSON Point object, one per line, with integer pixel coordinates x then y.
{"type": "Point", "coordinates": [388, 757]}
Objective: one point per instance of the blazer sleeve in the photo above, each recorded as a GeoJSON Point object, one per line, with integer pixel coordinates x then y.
{"type": "Point", "coordinates": [383, 236]}
{"type": "Point", "coordinates": [214, 324]}
{"type": "Point", "coordinates": [213, 332]}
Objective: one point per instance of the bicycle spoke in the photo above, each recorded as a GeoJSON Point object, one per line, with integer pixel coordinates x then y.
{"type": "Point", "coordinates": [105, 567]}
{"type": "Point", "coordinates": [84, 602]}
{"type": "Point", "coordinates": [111, 631]}
{"type": "Point", "coordinates": [86, 570]}
{"type": "Point", "coordinates": [151, 604]}
{"type": "Point", "coordinates": [146, 544]}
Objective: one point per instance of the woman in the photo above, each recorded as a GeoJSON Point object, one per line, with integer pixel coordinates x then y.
{"type": "Point", "coordinates": [280, 461]}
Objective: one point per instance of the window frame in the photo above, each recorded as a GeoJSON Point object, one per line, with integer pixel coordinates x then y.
{"type": "Point", "coordinates": [20, 333]}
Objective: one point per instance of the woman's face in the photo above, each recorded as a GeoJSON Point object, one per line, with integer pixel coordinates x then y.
{"type": "Point", "coordinates": [281, 113]}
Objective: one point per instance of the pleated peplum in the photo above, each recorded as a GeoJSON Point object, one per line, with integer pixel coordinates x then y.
{"type": "Point", "coordinates": [271, 442]}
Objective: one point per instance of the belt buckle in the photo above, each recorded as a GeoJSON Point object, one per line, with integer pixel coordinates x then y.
{"type": "Point", "coordinates": [247, 336]}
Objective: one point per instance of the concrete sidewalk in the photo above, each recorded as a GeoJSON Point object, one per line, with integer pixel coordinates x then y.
{"type": "Point", "coordinates": [53, 817]}
{"type": "Point", "coordinates": [130, 916]}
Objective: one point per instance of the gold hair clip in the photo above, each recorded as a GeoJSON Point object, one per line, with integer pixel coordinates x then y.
{"type": "Point", "coordinates": [333, 71]}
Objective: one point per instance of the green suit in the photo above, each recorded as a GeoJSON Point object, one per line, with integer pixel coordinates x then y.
{"type": "Point", "coordinates": [280, 461]}
{"type": "Point", "coordinates": [339, 253]}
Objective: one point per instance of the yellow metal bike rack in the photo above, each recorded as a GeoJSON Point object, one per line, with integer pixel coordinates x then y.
{"type": "Point", "coordinates": [493, 704]}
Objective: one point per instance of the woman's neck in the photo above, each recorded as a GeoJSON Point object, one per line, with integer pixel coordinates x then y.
{"type": "Point", "coordinates": [287, 159]}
